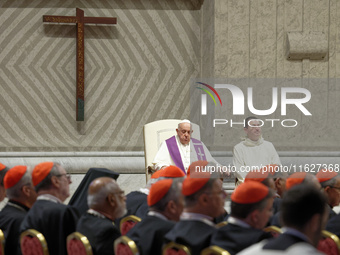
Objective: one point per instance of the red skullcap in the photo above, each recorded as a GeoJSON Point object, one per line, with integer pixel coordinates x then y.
{"type": "Point", "coordinates": [40, 172]}
{"type": "Point", "coordinates": [158, 191]}
{"type": "Point", "coordinates": [325, 175]}
{"type": "Point", "coordinates": [191, 185]}
{"type": "Point", "coordinates": [2, 167]}
{"type": "Point", "coordinates": [249, 192]}
{"type": "Point", "coordinates": [14, 175]}
{"type": "Point", "coordinates": [172, 172]}
{"type": "Point", "coordinates": [295, 179]}
{"type": "Point", "coordinates": [199, 163]}
{"type": "Point", "coordinates": [257, 176]}
{"type": "Point", "coordinates": [156, 174]}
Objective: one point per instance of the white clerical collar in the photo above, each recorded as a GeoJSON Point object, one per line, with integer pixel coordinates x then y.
{"type": "Point", "coordinates": [16, 205]}
{"type": "Point", "coordinates": [144, 190]}
{"type": "Point", "coordinates": [49, 197]}
{"type": "Point", "coordinates": [238, 222]}
{"type": "Point", "coordinates": [96, 213]}
{"type": "Point", "coordinates": [295, 232]}
{"type": "Point", "coordinates": [157, 214]}
{"type": "Point", "coordinates": [251, 143]}
{"type": "Point", "coordinates": [197, 216]}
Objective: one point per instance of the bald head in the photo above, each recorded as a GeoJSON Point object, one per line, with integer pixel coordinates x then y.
{"type": "Point", "coordinates": [104, 195]}
{"type": "Point", "coordinates": [99, 189]}
{"type": "Point", "coordinates": [99, 183]}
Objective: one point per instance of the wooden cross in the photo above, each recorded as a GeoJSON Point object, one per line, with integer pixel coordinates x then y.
{"type": "Point", "coordinates": [80, 21]}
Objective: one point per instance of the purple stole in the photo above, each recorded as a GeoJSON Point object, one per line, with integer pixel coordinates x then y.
{"type": "Point", "coordinates": [176, 155]}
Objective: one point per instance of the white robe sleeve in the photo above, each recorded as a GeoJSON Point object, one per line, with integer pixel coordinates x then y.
{"type": "Point", "coordinates": [162, 157]}
{"type": "Point", "coordinates": [238, 162]}
{"type": "Point", "coordinates": [275, 157]}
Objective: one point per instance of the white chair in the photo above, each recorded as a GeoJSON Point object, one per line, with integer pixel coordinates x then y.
{"type": "Point", "coordinates": [158, 131]}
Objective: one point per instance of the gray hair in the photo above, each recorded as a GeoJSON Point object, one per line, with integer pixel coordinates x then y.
{"type": "Point", "coordinates": [173, 194]}
{"type": "Point", "coordinates": [330, 182]}
{"type": "Point", "coordinates": [98, 198]}
{"type": "Point", "coordinates": [191, 200]}
{"type": "Point", "coordinates": [15, 191]}
{"type": "Point", "coordinates": [46, 183]}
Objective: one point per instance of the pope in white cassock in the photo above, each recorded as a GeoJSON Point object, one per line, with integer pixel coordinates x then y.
{"type": "Point", "coordinates": [253, 152]}
{"type": "Point", "coordinates": [180, 150]}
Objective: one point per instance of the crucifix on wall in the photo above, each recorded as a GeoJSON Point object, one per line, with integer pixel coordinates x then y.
{"type": "Point", "coordinates": [80, 21]}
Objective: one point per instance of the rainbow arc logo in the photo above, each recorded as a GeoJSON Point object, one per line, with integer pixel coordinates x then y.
{"type": "Point", "coordinates": [209, 93]}
{"type": "Point", "coordinates": [204, 97]}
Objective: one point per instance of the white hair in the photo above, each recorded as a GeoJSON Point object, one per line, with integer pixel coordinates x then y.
{"type": "Point", "coordinates": [184, 121]}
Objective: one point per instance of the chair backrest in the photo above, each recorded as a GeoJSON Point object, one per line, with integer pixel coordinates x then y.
{"type": "Point", "coordinates": [329, 243]}
{"type": "Point", "coordinates": [33, 242]}
{"type": "Point", "coordinates": [78, 244]}
{"type": "Point", "coordinates": [274, 230]}
{"type": "Point", "coordinates": [2, 243]}
{"type": "Point", "coordinates": [125, 246]}
{"type": "Point", "coordinates": [158, 131]}
{"type": "Point", "coordinates": [173, 248]}
{"type": "Point", "coordinates": [127, 223]}
{"type": "Point", "coordinates": [214, 250]}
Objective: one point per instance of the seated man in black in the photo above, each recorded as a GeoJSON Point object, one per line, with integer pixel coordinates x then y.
{"type": "Point", "coordinates": [48, 214]}
{"type": "Point", "coordinates": [330, 184]}
{"type": "Point", "coordinates": [136, 201]}
{"type": "Point", "coordinates": [166, 204]}
{"type": "Point", "coordinates": [304, 214]}
{"type": "Point", "coordinates": [251, 208]}
{"type": "Point", "coordinates": [204, 199]}
{"type": "Point", "coordinates": [106, 202]}
{"type": "Point", "coordinates": [21, 195]}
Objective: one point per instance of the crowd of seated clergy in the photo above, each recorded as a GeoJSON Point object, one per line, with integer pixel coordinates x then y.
{"type": "Point", "coordinates": [186, 209]}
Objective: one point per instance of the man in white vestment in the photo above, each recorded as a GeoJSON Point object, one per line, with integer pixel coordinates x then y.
{"type": "Point", "coordinates": [253, 152]}
{"type": "Point", "coordinates": [180, 150]}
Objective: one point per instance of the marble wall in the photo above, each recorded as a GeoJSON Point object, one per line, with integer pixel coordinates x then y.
{"type": "Point", "coordinates": [250, 48]}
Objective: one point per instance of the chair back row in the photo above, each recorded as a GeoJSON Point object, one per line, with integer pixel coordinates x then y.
{"type": "Point", "coordinates": [33, 242]}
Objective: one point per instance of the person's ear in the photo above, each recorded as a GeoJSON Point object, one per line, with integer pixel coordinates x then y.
{"type": "Point", "coordinates": [171, 207]}
{"type": "Point", "coordinates": [314, 223]}
{"type": "Point", "coordinates": [278, 184]}
{"type": "Point", "coordinates": [26, 190]}
{"type": "Point", "coordinates": [204, 199]}
{"type": "Point", "coordinates": [254, 217]}
{"type": "Point", "coordinates": [55, 181]}
{"type": "Point", "coordinates": [327, 189]}
{"type": "Point", "coordinates": [111, 200]}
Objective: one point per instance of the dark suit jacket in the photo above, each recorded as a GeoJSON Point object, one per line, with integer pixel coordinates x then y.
{"type": "Point", "coordinates": [11, 217]}
{"type": "Point", "coordinates": [101, 233]}
{"type": "Point", "coordinates": [149, 234]}
{"type": "Point", "coordinates": [193, 233]}
{"type": "Point", "coordinates": [234, 238]}
{"type": "Point", "coordinates": [55, 221]}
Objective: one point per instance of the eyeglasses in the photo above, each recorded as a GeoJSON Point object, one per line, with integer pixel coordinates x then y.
{"type": "Point", "coordinates": [68, 176]}
{"type": "Point", "coordinates": [338, 188]}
